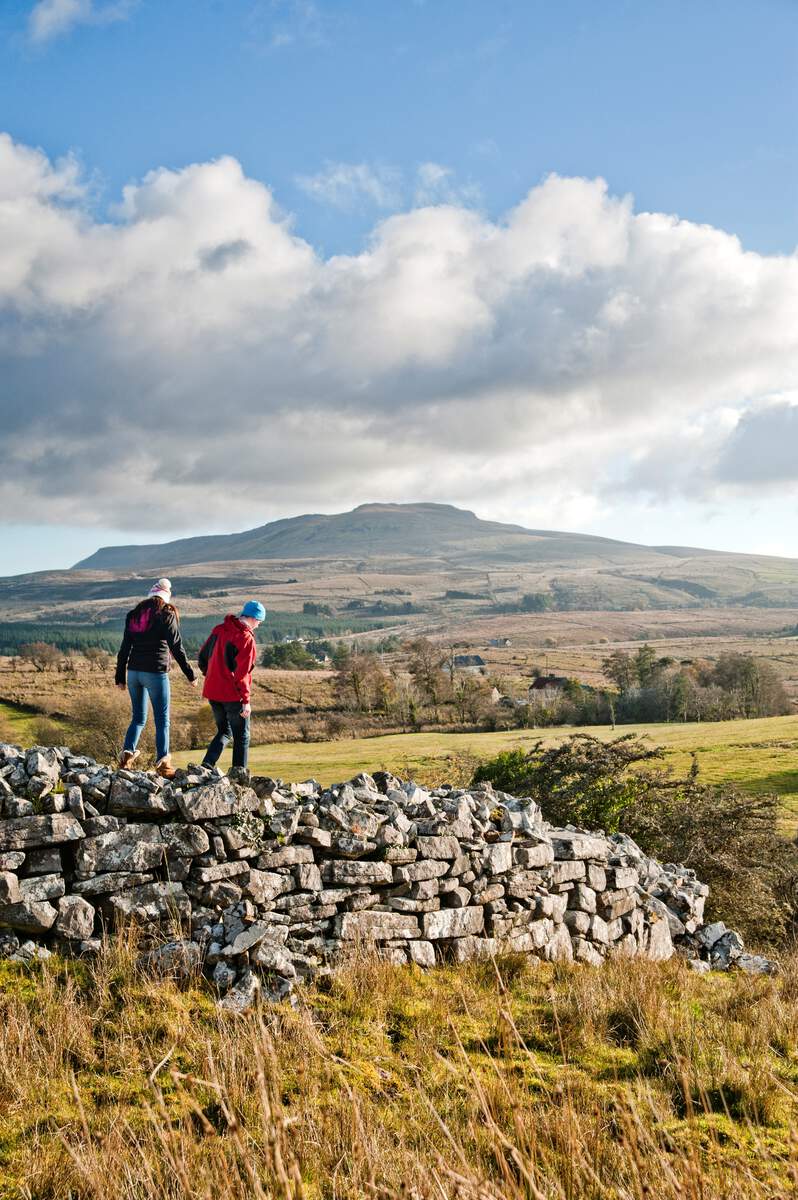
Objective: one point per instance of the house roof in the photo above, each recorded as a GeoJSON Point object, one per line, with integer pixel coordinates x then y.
{"type": "Point", "coordinates": [553, 682]}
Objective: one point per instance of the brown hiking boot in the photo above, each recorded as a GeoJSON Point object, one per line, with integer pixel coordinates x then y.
{"type": "Point", "coordinates": [165, 769]}
{"type": "Point", "coordinates": [127, 758]}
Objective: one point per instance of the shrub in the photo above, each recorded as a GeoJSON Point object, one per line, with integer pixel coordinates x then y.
{"type": "Point", "coordinates": [582, 780]}
{"type": "Point", "coordinates": [729, 838]}
{"type": "Point", "coordinates": [733, 843]}
{"type": "Point", "coordinates": [102, 717]}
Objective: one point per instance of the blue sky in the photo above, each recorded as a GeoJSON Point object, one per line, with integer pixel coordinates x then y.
{"type": "Point", "coordinates": [350, 112]}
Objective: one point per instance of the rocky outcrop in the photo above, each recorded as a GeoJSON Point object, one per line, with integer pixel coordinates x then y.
{"type": "Point", "coordinates": [267, 884]}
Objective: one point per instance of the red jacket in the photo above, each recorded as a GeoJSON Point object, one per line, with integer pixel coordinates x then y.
{"type": "Point", "coordinates": [226, 660]}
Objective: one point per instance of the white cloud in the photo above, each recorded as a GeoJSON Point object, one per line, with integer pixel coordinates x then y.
{"type": "Point", "coordinates": [350, 185]}
{"type": "Point", "coordinates": [763, 449]}
{"type": "Point", "coordinates": [437, 184]}
{"type": "Point", "coordinates": [50, 19]}
{"type": "Point", "coordinates": [195, 357]}
{"type": "Point", "coordinates": [277, 24]}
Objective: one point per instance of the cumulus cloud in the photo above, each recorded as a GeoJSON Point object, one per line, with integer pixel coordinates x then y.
{"type": "Point", "coordinates": [193, 361]}
{"type": "Point", "coordinates": [763, 449]}
{"type": "Point", "coordinates": [50, 19]}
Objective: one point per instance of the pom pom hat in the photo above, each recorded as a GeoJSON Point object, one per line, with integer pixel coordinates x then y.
{"type": "Point", "coordinates": [162, 588]}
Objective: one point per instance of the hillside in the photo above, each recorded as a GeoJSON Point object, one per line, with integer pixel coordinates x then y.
{"type": "Point", "coordinates": [369, 531]}
{"type": "Point", "coordinates": [428, 565]}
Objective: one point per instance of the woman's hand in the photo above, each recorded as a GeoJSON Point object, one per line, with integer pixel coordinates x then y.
{"type": "Point", "coordinates": [122, 687]}
{"type": "Point", "coordinates": [194, 682]}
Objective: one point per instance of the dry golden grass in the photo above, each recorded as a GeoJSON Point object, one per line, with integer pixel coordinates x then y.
{"type": "Point", "coordinates": [496, 1080]}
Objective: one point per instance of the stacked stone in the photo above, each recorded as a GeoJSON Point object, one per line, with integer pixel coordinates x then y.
{"type": "Point", "coordinates": [273, 883]}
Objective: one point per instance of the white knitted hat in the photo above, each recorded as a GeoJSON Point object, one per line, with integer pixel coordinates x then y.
{"type": "Point", "coordinates": [162, 588]}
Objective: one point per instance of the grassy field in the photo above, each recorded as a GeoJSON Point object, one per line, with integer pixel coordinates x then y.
{"type": "Point", "coordinates": [760, 755]}
{"type": "Point", "coordinates": [16, 725]}
{"type": "Point", "coordinates": [495, 1081]}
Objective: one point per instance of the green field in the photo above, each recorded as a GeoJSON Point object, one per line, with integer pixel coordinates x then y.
{"type": "Point", "coordinates": [16, 725]}
{"type": "Point", "coordinates": [760, 755]}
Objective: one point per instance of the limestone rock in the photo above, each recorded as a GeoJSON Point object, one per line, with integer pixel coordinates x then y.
{"type": "Point", "coordinates": [180, 958]}
{"type": "Point", "coordinates": [128, 797]}
{"type": "Point", "coordinates": [131, 848]}
{"type": "Point", "coordinates": [184, 841]}
{"type": "Point", "coordinates": [18, 833]}
{"type": "Point", "coordinates": [378, 926]}
{"type": "Point", "coordinates": [453, 922]}
{"type": "Point", "coordinates": [573, 845]}
{"type": "Point", "coordinates": [242, 996]}
{"type": "Point", "coordinates": [154, 902]}
{"type": "Point", "coordinates": [357, 873]}
{"type": "Point", "coordinates": [539, 854]}
{"type": "Point", "coordinates": [438, 847]}
{"type": "Point", "coordinates": [42, 887]}
{"type": "Point", "coordinates": [29, 916]}
{"type": "Point", "coordinates": [248, 939]}
{"type": "Point", "coordinates": [218, 799]}
{"type": "Point", "coordinates": [9, 888]}
{"type": "Point", "coordinates": [75, 920]}
{"type": "Point", "coordinates": [273, 960]}
{"type": "Point", "coordinates": [112, 881]}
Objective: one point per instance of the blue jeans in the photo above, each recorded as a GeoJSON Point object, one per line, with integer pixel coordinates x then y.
{"type": "Point", "coordinates": [143, 687]}
{"type": "Point", "coordinates": [229, 724]}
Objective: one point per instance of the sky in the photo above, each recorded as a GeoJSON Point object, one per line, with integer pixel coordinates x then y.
{"type": "Point", "coordinates": [267, 257]}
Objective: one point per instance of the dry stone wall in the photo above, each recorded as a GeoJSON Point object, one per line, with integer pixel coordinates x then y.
{"type": "Point", "coordinates": [266, 884]}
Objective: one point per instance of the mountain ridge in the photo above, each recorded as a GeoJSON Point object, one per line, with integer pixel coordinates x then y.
{"type": "Point", "coordinates": [370, 530]}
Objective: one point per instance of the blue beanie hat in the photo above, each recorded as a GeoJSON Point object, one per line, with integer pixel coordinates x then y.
{"type": "Point", "coordinates": [253, 608]}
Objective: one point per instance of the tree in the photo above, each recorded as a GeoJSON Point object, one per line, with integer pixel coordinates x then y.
{"type": "Point", "coordinates": [313, 609]}
{"type": "Point", "coordinates": [96, 657]}
{"type": "Point", "coordinates": [645, 665]}
{"type": "Point", "coordinates": [620, 669]}
{"type": "Point", "coordinates": [470, 697]}
{"type": "Point", "coordinates": [361, 684]}
{"type": "Point", "coordinates": [41, 655]}
{"type": "Point", "coordinates": [756, 688]}
{"type": "Point", "coordinates": [536, 602]}
{"type": "Point", "coordinates": [288, 656]}
{"type": "Point", "coordinates": [340, 654]}
{"type": "Point", "coordinates": [425, 667]}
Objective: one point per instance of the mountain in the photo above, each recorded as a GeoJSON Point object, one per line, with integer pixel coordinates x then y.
{"type": "Point", "coordinates": [370, 531]}
{"type": "Point", "coordinates": [431, 561]}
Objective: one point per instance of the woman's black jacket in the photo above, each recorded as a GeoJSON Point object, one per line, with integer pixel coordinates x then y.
{"type": "Point", "coordinates": [150, 638]}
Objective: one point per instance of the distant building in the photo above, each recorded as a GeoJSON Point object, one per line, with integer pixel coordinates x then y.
{"type": "Point", "coordinates": [546, 688]}
{"type": "Point", "coordinates": [469, 662]}
{"type": "Point", "coordinates": [502, 643]}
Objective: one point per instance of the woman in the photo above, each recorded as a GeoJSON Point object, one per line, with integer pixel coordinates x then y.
{"type": "Point", "coordinates": [151, 641]}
